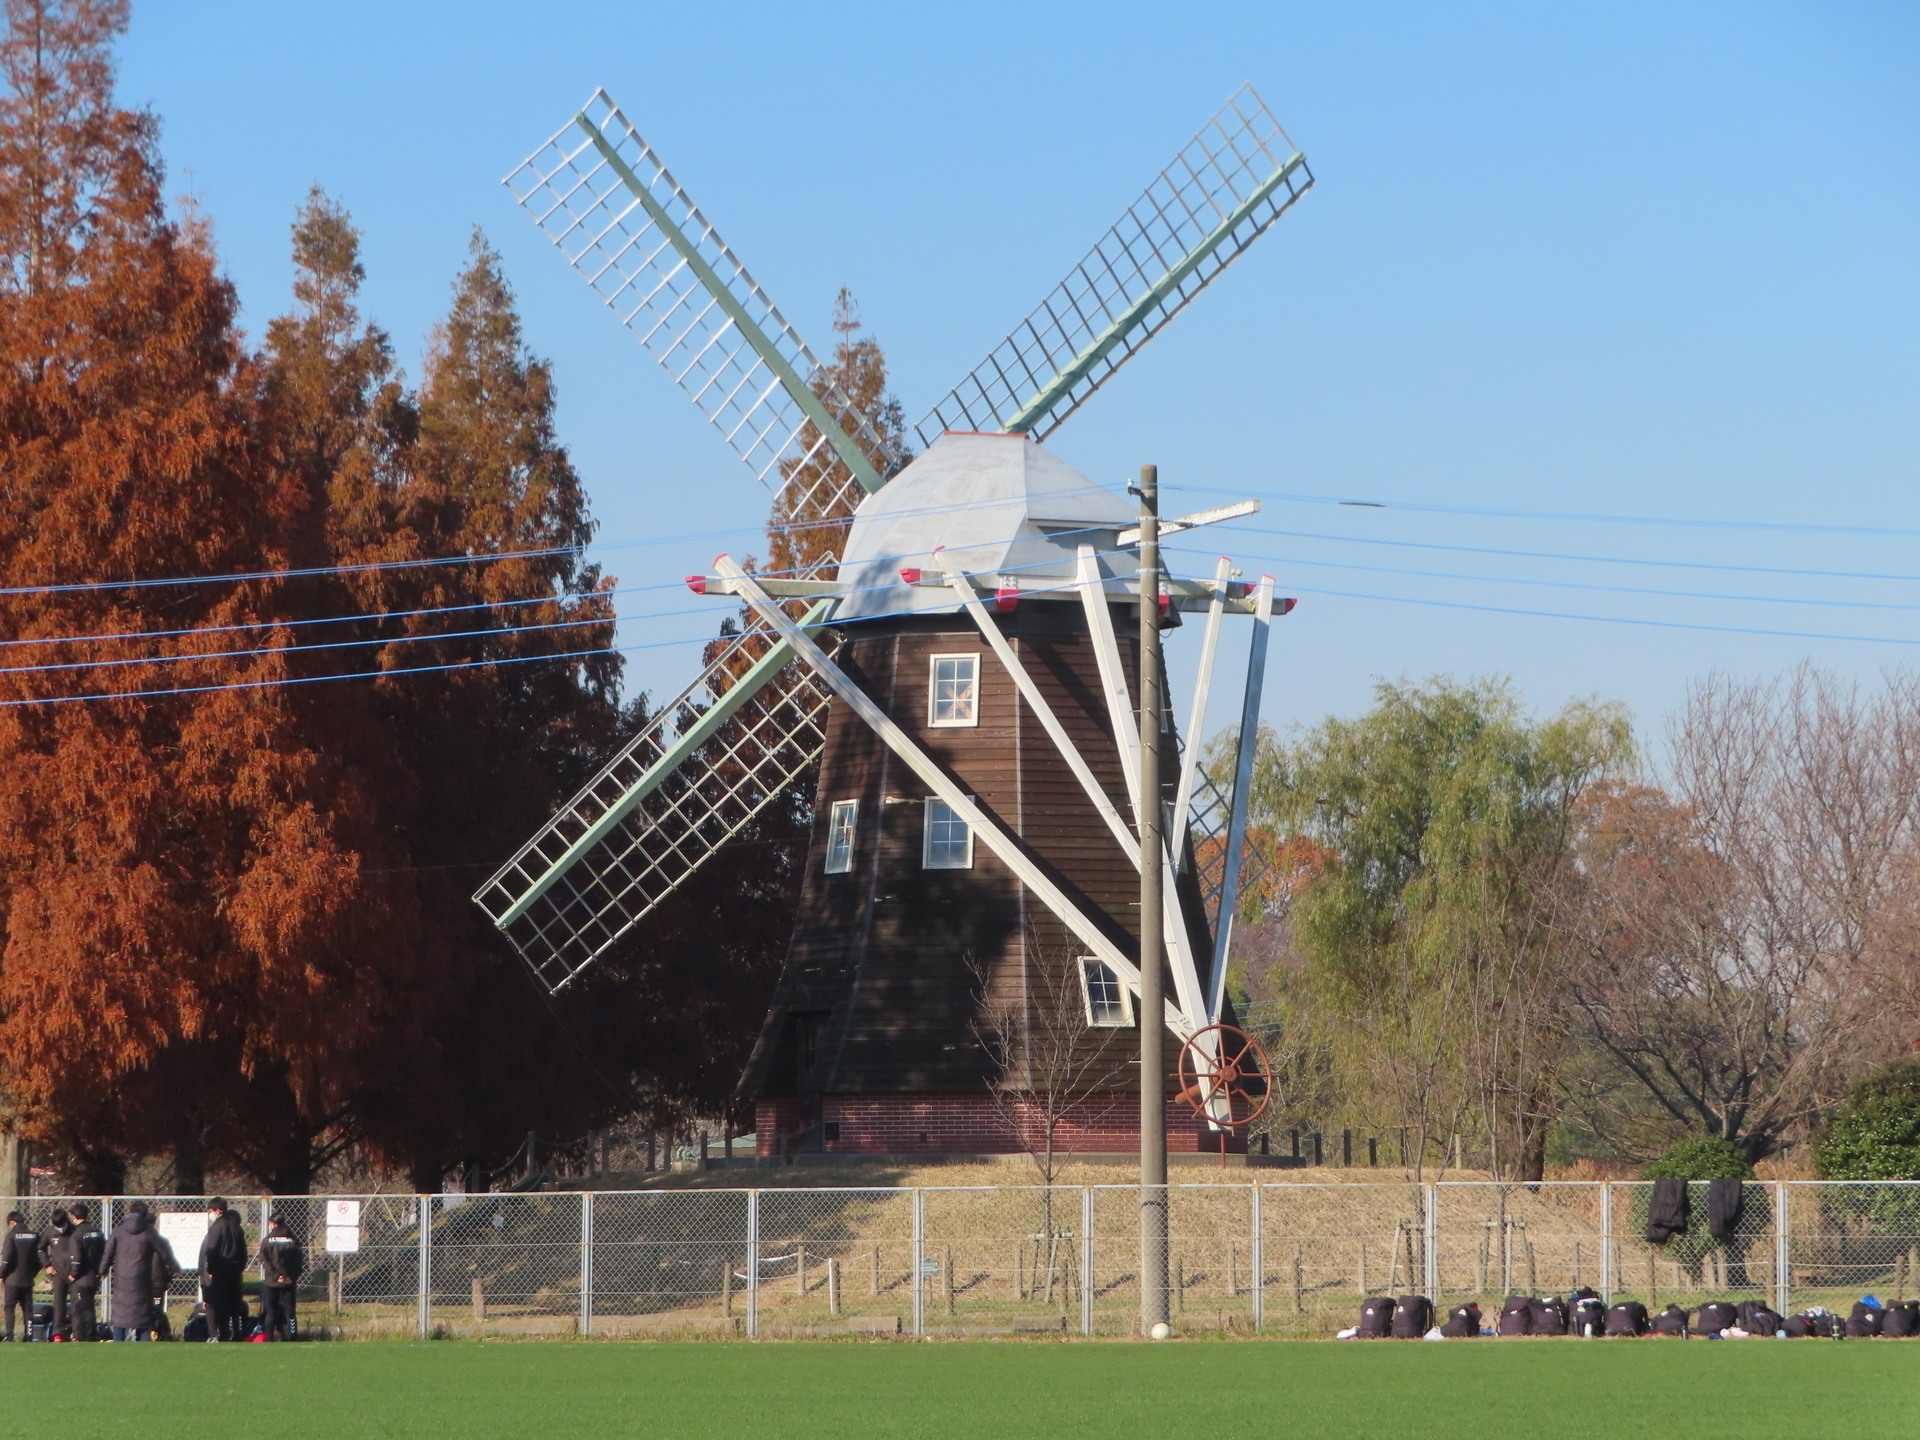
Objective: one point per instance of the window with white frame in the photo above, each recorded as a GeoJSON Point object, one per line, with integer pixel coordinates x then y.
{"type": "Point", "coordinates": [953, 690]}
{"type": "Point", "coordinates": [948, 843]}
{"type": "Point", "coordinates": [841, 820]}
{"type": "Point", "coordinates": [1108, 1003]}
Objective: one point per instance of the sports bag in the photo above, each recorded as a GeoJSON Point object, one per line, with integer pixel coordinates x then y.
{"type": "Point", "coordinates": [1902, 1319]}
{"type": "Point", "coordinates": [1756, 1318]}
{"type": "Point", "coordinates": [1376, 1317]}
{"type": "Point", "coordinates": [1865, 1321]}
{"type": "Point", "coordinates": [1516, 1316]}
{"type": "Point", "coordinates": [1463, 1322]}
{"type": "Point", "coordinates": [1715, 1316]}
{"type": "Point", "coordinates": [1589, 1317]}
{"type": "Point", "coordinates": [1629, 1317]}
{"type": "Point", "coordinates": [1549, 1316]}
{"type": "Point", "coordinates": [1671, 1321]}
{"type": "Point", "coordinates": [1798, 1327]}
{"type": "Point", "coordinates": [1412, 1317]}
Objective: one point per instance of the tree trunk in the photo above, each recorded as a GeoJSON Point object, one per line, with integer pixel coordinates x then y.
{"type": "Point", "coordinates": [293, 1175]}
{"type": "Point", "coordinates": [189, 1161]}
{"type": "Point", "coordinates": [16, 1178]}
{"type": "Point", "coordinates": [425, 1175]}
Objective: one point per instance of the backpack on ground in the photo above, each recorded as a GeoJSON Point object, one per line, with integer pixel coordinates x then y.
{"type": "Point", "coordinates": [1463, 1322]}
{"type": "Point", "coordinates": [1412, 1317]}
{"type": "Point", "coordinates": [1670, 1321]}
{"type": "Point", "coordinates": [1715, 1316]}
{"type": "Point", "coordinates": [1516, 1316]}
{"type": "Point", "coordinates": [1376, 1317]}
{"type": "Point", "coordinates": [1865, 1321]}
{"type": "Point", "coordinates": [1629, 1317]}
{"type": "Point", "coordinates": [1758, 1318]}
{"type": "Point", "coordinates": [1797, 1327]}
{"type": "Point", "coordinates": [1586, 1313]}
{"type": "Point", "coordinates": [1549, 1316]}
{"type": "Point", "coordinates": [1902, 1320]}
{"type": "Point", "coordinates": [195, 1330]}
{"type": "Point", "coordinates": [40, 1322]}
{"type": "Point", "coordinates": [1815, 1324]}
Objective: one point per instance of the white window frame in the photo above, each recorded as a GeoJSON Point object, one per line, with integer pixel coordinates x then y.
{"type": "Point", "coordinates": [934, 721]}
{"type": "Point", "coordinates": [927, 861]}
{"type": "Point", "coordinates": [843, 822]}
{"type": "Point", "coordinates": [1086, 995]}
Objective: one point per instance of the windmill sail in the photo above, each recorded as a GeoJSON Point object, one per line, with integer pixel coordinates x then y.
{"type": "Point", "coordinates": [694, 777]}
{"type": "Point", "coordinates": [602, 195]}
{"type": "Point", "coordinates": [1232, 181]}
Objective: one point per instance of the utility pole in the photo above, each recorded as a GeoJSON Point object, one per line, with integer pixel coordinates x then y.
{"type": "Point", "coordinates": [1153, 1064]}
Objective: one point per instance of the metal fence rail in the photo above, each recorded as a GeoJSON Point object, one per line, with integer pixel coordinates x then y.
{"type": "Point", "coordinates": [1295, 1258]}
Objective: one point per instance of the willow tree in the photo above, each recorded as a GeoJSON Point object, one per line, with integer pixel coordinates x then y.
{"type": "Point", "coordinates": [1429, 954]}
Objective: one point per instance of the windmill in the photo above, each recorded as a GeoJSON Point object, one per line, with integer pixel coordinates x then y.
{"type": "Point", "coordinates": [962, 672]}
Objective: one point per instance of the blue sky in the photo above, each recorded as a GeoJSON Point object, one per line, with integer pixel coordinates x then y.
{"type": "Point", "coordinates": [1627, 260]}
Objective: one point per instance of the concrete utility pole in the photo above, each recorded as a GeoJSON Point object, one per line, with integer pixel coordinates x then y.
{"type": "Point", "coordinates": [1153, 1064]}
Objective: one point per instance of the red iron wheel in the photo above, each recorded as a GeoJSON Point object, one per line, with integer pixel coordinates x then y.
{"type": "Point", "coordinates": [1236, 1066]}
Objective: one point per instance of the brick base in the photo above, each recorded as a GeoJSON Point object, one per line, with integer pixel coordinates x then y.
{"type": "Point", "coordinates": [968, 1125]}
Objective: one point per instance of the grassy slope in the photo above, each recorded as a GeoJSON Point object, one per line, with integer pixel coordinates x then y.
{"type": "Point", "coordinates": [1000, 1390]}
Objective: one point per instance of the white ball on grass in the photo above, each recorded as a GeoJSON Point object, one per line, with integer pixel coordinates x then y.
{"type": "Point", "coordinates": [1161, 1331]}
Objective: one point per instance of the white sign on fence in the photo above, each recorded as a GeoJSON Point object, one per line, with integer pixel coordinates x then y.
{"type": "Point", "coordinates": [183, 1230]}
{"type": "Point", "coordinates": [343, 1227]}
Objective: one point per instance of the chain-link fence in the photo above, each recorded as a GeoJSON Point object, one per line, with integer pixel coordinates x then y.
{"type": "Point", "coordinates": [1281, 1258]}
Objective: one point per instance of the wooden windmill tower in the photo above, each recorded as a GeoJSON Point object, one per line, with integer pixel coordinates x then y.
{"type": "Point", "coordinates": [964, 675]}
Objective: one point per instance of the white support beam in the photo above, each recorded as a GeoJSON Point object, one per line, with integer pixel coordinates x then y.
{"type": "Point", "coordinates": [1240, 509]}
{"type": "Point", "coordinates": [1113, 676]}
{"type": "Point", "coordinates": [1183, 795]}
{"type": "Point", "coordinates": [1242, 790]}
{"type": "Point", "coordinates": [1004, 846]}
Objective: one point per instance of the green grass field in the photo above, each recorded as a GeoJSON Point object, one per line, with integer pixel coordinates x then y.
{"type": "Point", "coordinates": [1002, 1390]}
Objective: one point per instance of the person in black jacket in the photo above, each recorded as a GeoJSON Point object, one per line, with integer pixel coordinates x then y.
{"type": "Point", "coordinates": [131, 1260]}
{"type": "Point", "coordinates": [223, 1259]}
{"type": "Point", "coordinates": [19, 1268]}
{"type": "Point", "coordinates": [84, 1249]}
{"type": "Point", "coordinates": [54, 1253]}
{"type": "Point", "coordinates": [280, 1265]}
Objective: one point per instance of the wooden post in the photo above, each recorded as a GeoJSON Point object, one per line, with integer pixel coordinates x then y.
{"type": "Point", "coordinates": [946, 1278]}
{"type": "Point", "coordinates": [1346, 1149]}
{"type": "Point", "coordinates": [1373, 1152]}
{"type": "Point", "coordinates": [479, 1302]}
{"type": "Point", "coordinates": [1180, 1285]}
{"type": "Point", "coordinates": [336, 1283]}
{"type": "Point", "coordinates": [1576, 1265]}
{"type": "Point", "coordinates": [800, 1269]}
{"type": "Point", "coordinates": [1533, 1277]}
{"type": "Point", "coordinates": [1482, 1258]}
{"type": "Point", "coordinates": [833, 1287]}
{"type": "Point", "coordinates": [726, 1290]}
{"type": "Point", "coordinates": [1653, 1279]}
{"type": "Point", "coordinates": [1233, 1270]}
{"type": "Point", "coordinates": [1297, 1276]}
{"type": "Point", "coordinates": [1020, 1271]}
{"type": "Point", "coordinates": [1363, 1270]}
{"type": "Point", "coordinates": [873, 1285]}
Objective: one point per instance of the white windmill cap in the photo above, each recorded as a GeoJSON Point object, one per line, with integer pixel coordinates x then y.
{"type": "Point", "coordinates": [998, 504]}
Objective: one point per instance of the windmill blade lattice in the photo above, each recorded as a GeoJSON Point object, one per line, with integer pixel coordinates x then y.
{"type": "Point", "coordinates": [1232, 181]}
{"type": "Point", "coordinates": [729, 746]}
{"type": "Point", "coordinates": [602, 195]}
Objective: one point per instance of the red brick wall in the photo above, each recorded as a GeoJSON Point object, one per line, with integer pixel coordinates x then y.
{"type": "Point", "coordinates": [974, 1125]}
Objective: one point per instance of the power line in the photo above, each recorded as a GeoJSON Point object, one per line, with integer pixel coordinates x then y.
{"type": "Point", "coordinates": [1500, 514]}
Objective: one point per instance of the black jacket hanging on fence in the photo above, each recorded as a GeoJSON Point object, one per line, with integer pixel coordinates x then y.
{"type": "Point", "coordinates": [1666, 1211]}
{"type": "Point", "coordinates": [1723, 1208]}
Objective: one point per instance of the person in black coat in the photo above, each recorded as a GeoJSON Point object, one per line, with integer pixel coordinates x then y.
{"type": "Point", "coordinates": [131, 1260]}
{"type": "Point", "coordinates": [223, 1260]}
{"type": "Point", "coordinates": [280, 1265]}
{"type": "Point", "coordinates": [19, 1268]}
{"type": "Point", "coordinates": [83, 1252]}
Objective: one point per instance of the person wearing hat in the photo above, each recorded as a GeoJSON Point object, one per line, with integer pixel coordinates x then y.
{"type": "Point", "coordinates": [280, 1265]}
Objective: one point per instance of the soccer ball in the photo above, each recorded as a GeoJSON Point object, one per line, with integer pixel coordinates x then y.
{"type": "Point", "coordinates": [1161, 1331]}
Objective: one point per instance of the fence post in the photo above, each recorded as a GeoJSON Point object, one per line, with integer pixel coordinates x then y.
{"type": "Point", "coordinates": [426, 1267]}
{"type": "Point", "coordinates": [919, 1262]}
{"type": "Point", "coordinates": [586, 1261]}
{"type": "Point", "coordinates": [1257, 1259]}
{"type": "Point", "coordinates": [1606, 1241]}
{"type": "Point", "coordinates": [1431, 1269]}
{"type": "Point", "coordinates": [753, 1263]}
{"type": "Point", "coordinates": [1086, 1260]}
{"type": "Point", "coordinates": [1782, 1248]}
